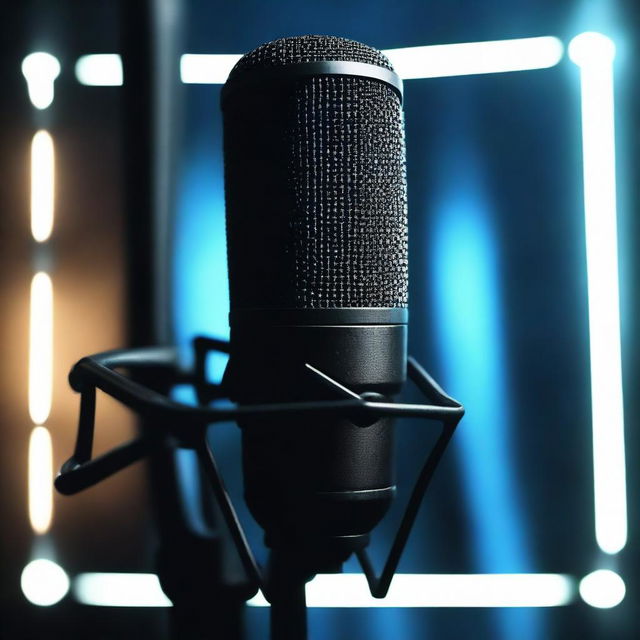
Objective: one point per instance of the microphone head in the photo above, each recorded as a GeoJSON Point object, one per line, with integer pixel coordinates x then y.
{"type": "Point", "coordinates": [317, 248]}
{"type": "Point", "coordinates": [315, 178]}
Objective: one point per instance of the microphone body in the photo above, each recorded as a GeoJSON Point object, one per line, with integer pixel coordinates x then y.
{"type": "Point", "coordinates": [316, 476]}
{"type": "Point", "coordinates": [317, 249]}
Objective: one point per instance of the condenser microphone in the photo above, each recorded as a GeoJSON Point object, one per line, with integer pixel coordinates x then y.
{"type": "Point", "coordinates": [316, 215]}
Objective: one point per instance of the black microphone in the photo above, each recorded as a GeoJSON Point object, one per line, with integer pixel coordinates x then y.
{"type": "Point", "coordinates": [316, 218]}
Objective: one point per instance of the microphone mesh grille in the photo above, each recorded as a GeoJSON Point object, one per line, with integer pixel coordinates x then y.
{"type": "Point", "coordinates": [316, 185]}
{"type": "Point", "coordinates": [309, 49]}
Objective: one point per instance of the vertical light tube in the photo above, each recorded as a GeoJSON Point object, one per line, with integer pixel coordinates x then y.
{"type": "Point", "coordinates": [40, 480]}
{"type": "Point", "coordinates": [41, 348]}
{"type": "Point", "coordinates": [43, 582]}
{"type": "Point", "coordinates": [594, 53]}
{"type": "Point", "coordinates": [42, 186]}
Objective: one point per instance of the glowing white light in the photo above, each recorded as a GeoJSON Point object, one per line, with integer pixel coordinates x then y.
{"type": "Point", "coordinates": [205, 68]}
{"type": "Point", "coordinates": [602, 589]}
{"type": "Point", "coordinates": [351, 590]}
{"type": "Point", "coordinates": [40, 71]}
{"type": "Point", "coordinates": [44, 582]}
{"type": "Point", "coordinates": [594, 53]}
{"type": "Point", "coordinates": [40, 348]}
{"type": "Point", "coordinates": [42, 185]}
{"type": "Point", "coordinates": [120, 590]}
{"type": "Point", "coordinates": [100, 70]}
{"type": "Point", "coordinates": [40, 480]}
{"type": "Point", "coordinates": [592, 48]}
{"type": "Point", "coordinates": [430, 61]}
{"type": "Point", "coordinates": [468, 58]}
{"type": "Point", "coordinates": [441, 590]}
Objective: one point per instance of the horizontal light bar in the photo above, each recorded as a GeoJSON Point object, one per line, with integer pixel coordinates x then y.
{"type": "Point", "coordinates": [40, 70]}
{"type": "Point", "coordinates": [100, 70]}
{"type": "Point", "coordinates": [40, 480]}
{"type": "Point", "coordinates": [441, 590]}
{"type": "Point", "coordinates": [42, 186]}
{"type": "Point", "coordinates": [430, 61]}
{"type": "Point", "coordinates": [119, 590]}
{"type": "Point", "coordinates": [44, 583]}
{"type": "Point", "coordinates": [206, 68]}
{"type": "Point", "coordinates": [351, 590]}
{"type": "Point", "coordinates": [594, 53]}
{"type": "Point", "coordinates": [469, 58]}
{"type": "Point", "coordinates": [40, 348]}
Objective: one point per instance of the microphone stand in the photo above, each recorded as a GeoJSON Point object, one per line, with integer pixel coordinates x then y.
{"type": "Point", "coordinates": [185, 426]}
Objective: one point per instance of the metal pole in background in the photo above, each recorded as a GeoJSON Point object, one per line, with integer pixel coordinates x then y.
{"type": "Point", "coordinates": [192, 563]}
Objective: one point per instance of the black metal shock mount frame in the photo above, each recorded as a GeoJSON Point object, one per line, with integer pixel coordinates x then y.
{"type": "Point", "coordinates": [186, 426]}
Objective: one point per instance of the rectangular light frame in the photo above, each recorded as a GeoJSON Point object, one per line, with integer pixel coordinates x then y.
{"type": "Point", "coordinates": [488, 58]}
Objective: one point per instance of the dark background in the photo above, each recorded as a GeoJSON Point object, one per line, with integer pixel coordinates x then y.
{"type": "Point", "coordinates": [498, 303]}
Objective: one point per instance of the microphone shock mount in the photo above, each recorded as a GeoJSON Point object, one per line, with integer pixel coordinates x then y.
{"type": "Point", "coordinates": [185, 426]}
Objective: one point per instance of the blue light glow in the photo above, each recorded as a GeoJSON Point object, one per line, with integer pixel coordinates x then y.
{"type": "Point", "coordinates": [469, 333]}
{"type": "Point", "coordinates": [201, 305]}
{"type": "Point", "coordinates": [188, 479]}
{"type": "Point", "coordinates": [201, 291]}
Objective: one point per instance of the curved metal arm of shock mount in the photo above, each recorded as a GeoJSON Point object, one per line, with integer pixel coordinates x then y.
{"type": "Point", "coordinates": [185, 426]}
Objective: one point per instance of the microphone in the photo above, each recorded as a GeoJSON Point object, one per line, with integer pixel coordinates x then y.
{"type": "Point", "coordinates": [316, 219]}
{"type": "Point", "coordinates": [316, 216]}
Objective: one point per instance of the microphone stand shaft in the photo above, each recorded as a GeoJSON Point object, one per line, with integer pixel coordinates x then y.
{"type": "Point", "coordinates": [288, 599]}
{"type": "Point", "coordinates": [288, 612]}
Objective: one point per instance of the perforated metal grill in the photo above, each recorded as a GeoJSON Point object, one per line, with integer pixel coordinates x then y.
{"type": "Point", "coordinates": [309, 49]}
{"type": "Point", "coordinates": [315, 185]}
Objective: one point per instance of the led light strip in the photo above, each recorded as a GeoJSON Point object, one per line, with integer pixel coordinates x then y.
{"type": "Point", "coordinates": [432, 61]}
{"type": "Point", "coordinates": [43, 582]}
{"type": "Point", "coordinates": [350, 590]}
{"type": "Point", "coordinates": [594, 53]}
{"type": "Point", "coordinates": [601, 589]}
{"type": "Point", "coordinates": [473, 58]}
{"type": "Point", "coordinates": [41, 341]}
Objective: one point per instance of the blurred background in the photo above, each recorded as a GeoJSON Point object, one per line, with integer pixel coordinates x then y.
{"type": "Point", "coordinates": [521, 131]}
